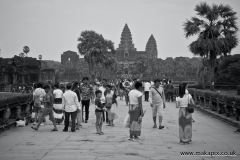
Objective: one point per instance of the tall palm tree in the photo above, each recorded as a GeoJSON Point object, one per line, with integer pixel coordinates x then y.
{"type": "Point", "coordinates": [96, 50]}
{"type": "Point", "coordinates": [26, 49]}
{"type": "Point", "coordinates": [216, 28]}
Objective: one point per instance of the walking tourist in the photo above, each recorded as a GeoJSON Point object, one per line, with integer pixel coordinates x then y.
{"type": "Point", "coordinates": [147, 87]}
{"type": "Point", "coordinates": [127, 88]}
{"type": "Point", "coordinates": [99, 109]}
{"type": "Point", "coordinates": [79, 112]}
{"type": "Point", "coordinates": [38, 95]}
{"type": "Point", "coordinates": [71, 107]}
{"type": "Point", "coordinates": [157, 102]}
{"type": "Point", "coordinates": [48, 108]}
{"type": "Point", "coordinates": [135, 111]}
{"type": "Point", "coordinates": [185, 118]}
{"type": "Point", "coordinates": [87, 94]}
{"type": "Point", "coordinates": [103, 100]}
{"type": "Point", "coordinates": [57, 106]}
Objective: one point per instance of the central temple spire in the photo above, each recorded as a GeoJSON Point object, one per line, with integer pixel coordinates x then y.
{"type": "Point", "coordinates": [126, 39]}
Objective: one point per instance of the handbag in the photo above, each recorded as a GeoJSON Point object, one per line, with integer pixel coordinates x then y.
{"type": "Point", "coordinates": [190, 107]}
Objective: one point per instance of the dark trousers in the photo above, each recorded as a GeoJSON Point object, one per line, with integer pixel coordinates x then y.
{"type": "Point", "coordinates": [170, 96]}
{"type": "Point", "coordinates": [146, 95]}
{"type": "Point", "coordinates": [86, 103]}
{"type": "Point", "coordinates": [104, 114]}
{"type": "Point", "coordinates": [73, 119]}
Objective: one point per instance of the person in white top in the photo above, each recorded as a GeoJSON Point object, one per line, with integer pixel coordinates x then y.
{"type": "Point", "coordinates": [57, 106]}
{"type": "Point", "coordinates": [157, 102]}
{"type": "Point", "coordinates": [147, 87]}
{"type": "Point", "coordinates": [185, 118]}
{"type": "Point", "coordinates": [70, 106]}
{"type": "Point", "coordinates": [103, 99]}
{"type": "Point", "coordinates": [135, 111]}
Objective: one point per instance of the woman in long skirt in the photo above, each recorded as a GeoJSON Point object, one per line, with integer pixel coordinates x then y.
{"type": "Point", "coordinates": [135, 111]}
{"type": "Point", "coordinates": [185, 118]}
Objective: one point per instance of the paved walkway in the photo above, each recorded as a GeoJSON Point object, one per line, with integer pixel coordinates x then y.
{"type": "Point", "coordinates": [209, 134]}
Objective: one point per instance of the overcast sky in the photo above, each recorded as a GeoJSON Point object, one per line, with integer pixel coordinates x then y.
{"type": "Point", "coordinates": [50, 27]}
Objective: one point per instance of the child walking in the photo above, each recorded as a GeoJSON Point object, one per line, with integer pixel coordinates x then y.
{"type": "Point", "coordinates": [99, 112]}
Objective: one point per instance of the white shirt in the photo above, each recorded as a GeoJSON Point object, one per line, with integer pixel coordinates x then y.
{"type": "Point", "coordinates": [152, 84]}
{"type": "Point", "coordinates": [147, 86]}
{"type": "Point", "coordinates": [183, 102]}
{"type": "Point", "coordinates": [134, 95]}
{"type": "Point", "coordinates": [58, 93]}
{"type": "Point", "coordinates": [70, 101]}
{"type": "Point", "coordinates": [103, 99]}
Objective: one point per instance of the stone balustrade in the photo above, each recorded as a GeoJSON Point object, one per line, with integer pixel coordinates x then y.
{"type": "Point", "coordinates": [14, 106]}
{"type": "Point", "coordinates": [228, 105]}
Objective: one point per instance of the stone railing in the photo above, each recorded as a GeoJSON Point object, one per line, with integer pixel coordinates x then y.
{"type": "Point", "coordinates": [221, 104]}
{"type": "Point", "coordinates": [14, 106]}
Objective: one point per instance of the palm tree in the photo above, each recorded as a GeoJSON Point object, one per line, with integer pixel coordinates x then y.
{"type": "Point", "coordinates": [216, 28]}
{"type": "Point", "coordinates": [96, 50]}
{"type": "Point", "coordinates": [26, 49]}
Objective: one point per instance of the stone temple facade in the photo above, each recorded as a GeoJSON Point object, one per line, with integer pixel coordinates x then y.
{"type": "Point", "coordinates": [127, 54]}
{"type": "Point", "coordinates": [179, 68]}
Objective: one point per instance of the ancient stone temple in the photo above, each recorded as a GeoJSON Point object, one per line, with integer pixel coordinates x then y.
{"type": "Point", "coordinates": [179, 68]}
{"type": "Point", "coordinates": [127, 54]}
{"type": "Point", "coordinates": [18, 70]}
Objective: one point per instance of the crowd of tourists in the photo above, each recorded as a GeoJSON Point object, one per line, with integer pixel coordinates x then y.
{"type": "Point", "coordinates": [73, 100]}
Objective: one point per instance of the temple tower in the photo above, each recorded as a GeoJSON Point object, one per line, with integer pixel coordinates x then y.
{"type": "Point", "coordinates": [126, 39]}
{"type": "Point", "coordinates": [151, 47]}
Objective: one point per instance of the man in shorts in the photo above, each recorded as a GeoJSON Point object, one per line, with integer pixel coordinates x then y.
{"type": "Point", "coordinates": [48, 108]}
{"type": "Point", "coordinates": [157, 102]}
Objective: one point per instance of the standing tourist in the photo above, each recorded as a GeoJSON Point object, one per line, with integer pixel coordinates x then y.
{"type": "Point", "coordinates": [157, 102]}
{"type": "Point", "coordinates": [103, 100]}
{"type": "Point", "coordinates": [170, 91]}
{"type": "Point", "coordinates": [185, 118]}
{"type": "Point", "coordinates": [99, 109]}
{"type": "Point", "coordinates": [57, 106]}
{"type": "Point", "coordinates": [79, 114]}
{"type": "Point", "coordinates": [38, 95]}
{"type": "Point", "coordinates": [108, 103]}
{"type": "Point", "coordinates": [147, 87]}
{"type": "Point", "coordinates": [135, 111]}
{"type": "Point", "coordinates": [121, 88]}
{"type": "Point", "coordinates": [186, 92]}
{"type": "Point", "coordinates": [48, 108]}
{"type": "Point", "coordinates": [87, 94]}
{"type": "Point", "coordinates": [71, 107]}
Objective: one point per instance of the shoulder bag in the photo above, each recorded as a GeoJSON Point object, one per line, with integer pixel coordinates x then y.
{"type": "Point", "coordinates": [160, 96]}
{"type": "Point", "coordinates": [190, 107]}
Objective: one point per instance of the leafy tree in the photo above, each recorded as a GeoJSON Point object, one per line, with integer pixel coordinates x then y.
{"type": "Point", "coordinates": [96, 50]}
{"type": "Point", "coordinates": [141, 65]}
{"type": "Point", "coordinates": [229, 69]}
{"type": "Point", "coordinates": [216, 28]}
